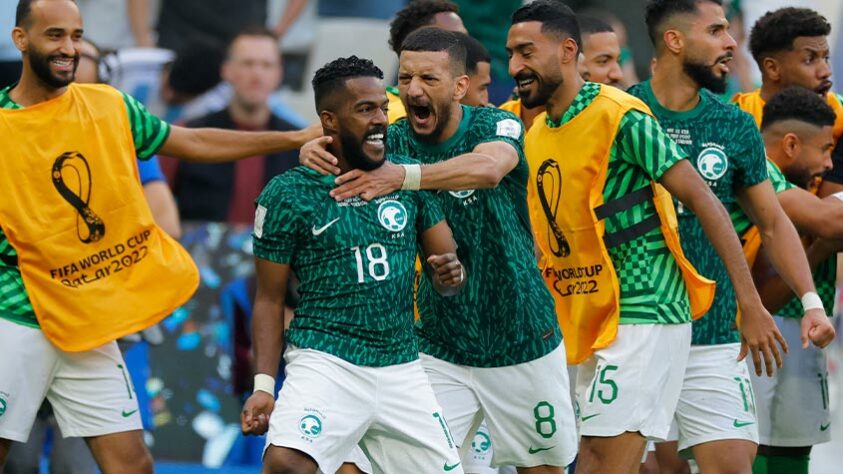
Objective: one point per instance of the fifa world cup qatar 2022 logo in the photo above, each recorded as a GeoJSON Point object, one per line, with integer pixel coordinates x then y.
{"type": "Point", "coordinates": [73, 181]}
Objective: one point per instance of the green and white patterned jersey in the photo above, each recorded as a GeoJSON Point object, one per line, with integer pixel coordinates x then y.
{"type": "Point", "coordinates": [727, 150]}
{"type": "Point", "coordinates": [504, 314]}
{"type": "Point", "coordinates": [355, 261]}
{"type": "Point", "coordinates": [148, 133]}
{"type": "Point", "coordinates": [652, 290]}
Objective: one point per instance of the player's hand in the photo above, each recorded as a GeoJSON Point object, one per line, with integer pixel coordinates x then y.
{"type": "Point", "coordinates": [254, 419]}
{"type": "Point", "coordinates": [315, 155]}
{"type": "Point", "coordinates": [759, 335]}
{"type": "Point", "coordinates": [368, 185]}
{"type": "Point", "coordinates": [447, 273]}
{"type": "Point", "coordinates": [816, 328]}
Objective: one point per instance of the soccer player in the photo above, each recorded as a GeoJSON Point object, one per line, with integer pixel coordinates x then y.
{"type": "Point", "coordinates": [624, 289]}
{"type": "Point", "coordinates": [716, 411]}
{"type": "Point", "coordinates": [790, 46]}
{"type": "Point", "coordinates": [73, 221]}
{"type": "Point", "coordinates": [443, 14]}
{"type": "Point", "coordinates": [353, 370]}
{"type": "Point", "coordinates": [502, 327]}
{"type": "Point", "coordinates": [793, 406]}
{"type": "Point", "coordinates": [598, 63]}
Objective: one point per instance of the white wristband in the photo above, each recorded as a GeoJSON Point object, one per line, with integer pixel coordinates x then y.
{"type": "Point", "coordinates": [412, 177]}
{"type": "Point", "coordinates": [811, 300]}
{"type": "Point", "coordinates": [838, 195]}
{"type": "Point", "coordinates": [264, 383]}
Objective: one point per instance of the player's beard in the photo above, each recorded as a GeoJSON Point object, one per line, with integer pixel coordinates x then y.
{"type": "Point", "coordinates": [800, 176]}
{"type": "Point", "coordinates": [545, 87]}
{"type": "Point", "coordinates": [704, 76]}
{"type": "Point", "coordinates": [40, 64]}
{"type": "Point", "coordinates": [352, 149]}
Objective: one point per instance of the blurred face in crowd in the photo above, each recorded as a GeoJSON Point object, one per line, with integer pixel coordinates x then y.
{"type": "Point", "coordinates": [253, 68]}
{"type": "Point", "coordinates": [477, 94]}
{"type": "Point", "coordinates": [50, 41]}
{"type": "Point", "coordinates": [805, 65]}
{"type": "Point", "coordinates": [430, 91]}
{"type": "Point", "coordinates": [602, 53]}
{"type": "Point", "coordinates": [534, 62]}
{"type": "Point", "coordinates": [360, 121]}
{"type": "Point", "coordinates": [708, 48]}
{"type": "Point", "coordinates": [89, 59]}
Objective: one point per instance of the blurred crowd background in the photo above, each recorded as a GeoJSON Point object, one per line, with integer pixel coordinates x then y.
{"type": "Point", "coordinates": [177, 57]}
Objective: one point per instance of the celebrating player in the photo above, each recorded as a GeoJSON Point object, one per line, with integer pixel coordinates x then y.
{"type": "Point", "coordinates": [352, 341]}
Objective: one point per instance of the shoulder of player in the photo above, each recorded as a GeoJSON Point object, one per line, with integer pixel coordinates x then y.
{"type": "Point", "coordinates": [291, 185]}
{"type": "Point", "coordinates": [488, 122]}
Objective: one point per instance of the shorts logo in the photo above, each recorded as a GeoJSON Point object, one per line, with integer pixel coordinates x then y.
{"type": "Point", "coordinates": [392, 215]}
{"type": "Point", "coordinates": [712, 163]}
{"type": "Point", "coordinates": [481, 443]}
{"type": "Point", "coordinates": [310, 426]}
{"type": "Point", "coordinates": [461, 194]}
{"type": "Point", "coordinates": [2, 406]}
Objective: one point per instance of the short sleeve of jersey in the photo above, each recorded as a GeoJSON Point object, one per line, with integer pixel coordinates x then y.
{"type": "Point", "coordinates": [430, 211]}
{"type": "Point", "coordinates": [148, 131]}
{"type": "Point", "coordinates": [277, 223]}
{"type": "Point", "coordinates": [500, 126]}
{"type": "Point", "coordinates": [777, 179]}
{"type": "Point", "coordinates": [751, 156]}
{"type": "Point", "coordinates": [641, 141]}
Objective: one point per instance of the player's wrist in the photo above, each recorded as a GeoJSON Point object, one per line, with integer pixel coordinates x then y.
{"type": "Point", "coordinates": [412, 178]}
{"type": "Point", "coordinates": [264, 383]}
{"type": "Point", "coordinates": [811, 300]}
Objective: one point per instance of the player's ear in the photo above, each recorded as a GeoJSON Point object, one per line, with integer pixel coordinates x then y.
{"type": "Point", "coordinates": [329, 120]}
{"type": "Point", "coordinates": [791, 145]}
{"type": "Point", "coordinates": [19, 38]}
{"type": "Point", "coordinates": [770, 68]}
{"type": "Point", "coordinates": [461, 87]}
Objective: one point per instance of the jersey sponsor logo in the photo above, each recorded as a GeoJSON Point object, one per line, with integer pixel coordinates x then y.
{"type": "Point", "coordinates": [127, 414]}
{"type": "Point", "coordinates": [712, 163]}
{"type": "Point", "coordinates": [260, 217]}
{"type": "Point", "coordinates": [481, 443]}
{"type": "Point", "coordinates": [509, 128]}
{"type": "Point", "coordinates": [310, 426]}
{"type": "Point", "coordinates": [740, 424]}
{"type": "Point", "coordinates": [461, 194]}
{"type": "Point", "coordinates": [392, 215]}
{"type": "Point", "coordinates": [80, 197]}
{"type": "Point", "coordinates": [316, 231]}
{"type": "Point", "coordinates": [533, 450]}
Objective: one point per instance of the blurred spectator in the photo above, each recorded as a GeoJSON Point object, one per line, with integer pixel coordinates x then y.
{"type": "Point", "coordinates": [191, 85]}
{"type": "Point", "coordinates": [478, 66]}
{"type": "Point", "coordinates": [10, 59]}
{"type": "Point", "coordinates": [489, 23]}
{"type": "Point", "coordinates": [377, 9]}
{"type": "Point", "coordinates": [601, 51]}
{"type": "Point", "coordinates": [115, 24]}
{"type": "Point", "coordinates": [227, 192]}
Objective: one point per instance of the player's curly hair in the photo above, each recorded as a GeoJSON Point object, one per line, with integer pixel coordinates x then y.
{"type": "Point", "coordinates": [332, 76]}
{"type": "Point", "coordinates": [776, 30]}
{"type": "Point", "coordinates": [556, 18]}
{"type": "Point", "coordinates": [417, 14]}
{"type": "Point", "coordinates": [798, 103]}
{"type": "Point", "coordinates": [657, 11]}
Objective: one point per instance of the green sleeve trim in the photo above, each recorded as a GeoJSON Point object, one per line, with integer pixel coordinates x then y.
{"type": "Point", "coordinates": [148, 131]}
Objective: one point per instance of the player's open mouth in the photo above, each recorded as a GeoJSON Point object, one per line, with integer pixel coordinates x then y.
{"type": "Point", "coordinates": [525, 84]}
{"type": "Point", "coordinates": [63, 64]}
{"type": "Point", "coordinates": [824, 88]}
{"type": "Point", "coordinates": [723, 64]}
{"type": "Point", "coordinates": [421, 113]}
{"type": "Point", "coordinates": [375, 139]}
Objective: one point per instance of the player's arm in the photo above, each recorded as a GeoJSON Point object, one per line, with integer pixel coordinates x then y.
{"type": "Point", "coordinates": [779, 238]}
{"type": "Point", "coordinates": [215, 145]}
{"type": "Point", "coordinates": [484, 167]}
{"type": "Point", "coordinates": [811, 215]}
{"type": "Point", "coordinates": [267, 341]}
{"type": "Point", "coordinates": [441, 263]}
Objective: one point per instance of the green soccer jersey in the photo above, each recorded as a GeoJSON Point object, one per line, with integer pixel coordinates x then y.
{"type": "Point", "coordinates": [355, 261]}
{"type": "Point", "coordinates": [505, 314]}
{"type": "Point", "coordinates": [652, 290]}
{"type": "Point", "coordinates": [148, 132]}
{"type": "Point", "coordinates": [726, 149]}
